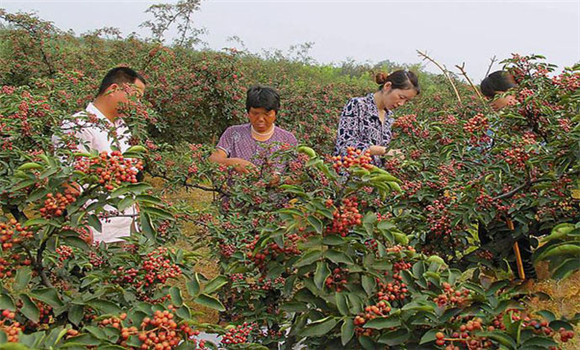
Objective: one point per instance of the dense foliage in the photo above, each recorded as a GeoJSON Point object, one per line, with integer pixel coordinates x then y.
{"type": "Point", "coordinates": [335, 253]}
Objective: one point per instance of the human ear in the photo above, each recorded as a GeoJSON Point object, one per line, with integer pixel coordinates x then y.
{"type": "Point", "coordinates": [387, 86]}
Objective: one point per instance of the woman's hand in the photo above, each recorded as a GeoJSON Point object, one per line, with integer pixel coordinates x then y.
{"type": "Point", "coordinates": [377, 150]}
{"type": "Point", "coordinates": [241, 165]}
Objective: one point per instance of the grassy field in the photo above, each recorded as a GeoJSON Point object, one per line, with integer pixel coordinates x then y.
{"type": "Point", "coordinates": [564, 301]}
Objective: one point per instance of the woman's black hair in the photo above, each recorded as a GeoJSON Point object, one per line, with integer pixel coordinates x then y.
{"type": "Point", "coordinates": [499, 81]}
{"type": "Point", "coordinates": [400, 79]}
{"type": "Point", "coordinates": [119, 75]}
{"type": "Point", "coordinates": [259, 96]}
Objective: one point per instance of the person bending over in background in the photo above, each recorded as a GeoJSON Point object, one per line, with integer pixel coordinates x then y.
{"type": "Point", "coordinates": [365, 122]}
{"type": "Point", "coordinates": [494, 86]}
{"type": "Point", "coordinates": [498, 83]}
{"type": "Point", "coordinates": [107, 133]}
{"type": "Point", "coordinates": [248, 145]}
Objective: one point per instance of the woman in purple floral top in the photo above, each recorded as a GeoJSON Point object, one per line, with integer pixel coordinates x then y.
{"type": "Point", "coordinates": [247, 145]}
{"type": "Point", "coordinates": [365, 122]}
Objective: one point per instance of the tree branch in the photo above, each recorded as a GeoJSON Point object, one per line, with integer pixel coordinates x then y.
{"type": "Point", "coordinates": [445, 72]}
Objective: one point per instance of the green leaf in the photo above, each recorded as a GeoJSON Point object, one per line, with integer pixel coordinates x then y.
{"type": "Point", "coordinates": [23, 276]}
{"type": "Point", "coordinates": [338, 257]}
{"type": "Point", "coordinates": [342, 303]}
{"type": "Point", "coordinates": [105, 306]}
{"type": "Point", "coordinates": [125, 203]}
{"type": "Point", "coordinates": [369, 284]}
{"type": "Point", "coordinates": [193, 286]}
{"type": "Point", "coordinates": [215, 284]}
{"type": "Point", "coordinates": [294, 306]}
{"type": "Point", "coordinates": [13, 346]}
{"type": "Point", "coordinates": [158, 212]}
{"type": "Point", "coordinates": [94, 222]}
{"type": "Point", "coordinates": [346, 331]}
{"type": "Point", "coordinates": [6, 302]}
{"type": "Point", "coordinates": [501, 337]}
{"type": "Point", "coordinates": [211, 302]}
{"type": "Point", "coordinates": [395, 337]}
{"type": "Point", "coordinates": [316, 223]}
{"type": "Point", "coordinates": [547, 315]}
{"type": "Point", "coordinates": [429, 336]}
{"type": "Point", "coordinates": [308, 258]}
{"type": "Point", "coordinates": [29, 308]}
{"type": "Point", "coordinates": [383, 322]}
{"type": "Point", "coordinates": [321, 273]}
{"type": "Point", "coordinates": [175, 294]}
{"type": "Point", "coordinates": [76, 313]}
{"type": "Point", "coordinates": [37, 221]}
{"type": "Point", "coordinates": [183, 312]}
{"type": "Point", "coordinates": [319, 327]}
{"type": "Point", "coordinates": [333, 240]}
{"type": "Point", "coordinates": [47, 295]}
{"type": "Point", "coordinates": [566, 268]}
{"type": "Point", "coordinates": [543, 343]}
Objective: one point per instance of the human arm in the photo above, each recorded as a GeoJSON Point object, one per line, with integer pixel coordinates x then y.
{"type": "Point", "coordinates": [219, 156]}
{"type": "Point", "coordinates": [349, 132]}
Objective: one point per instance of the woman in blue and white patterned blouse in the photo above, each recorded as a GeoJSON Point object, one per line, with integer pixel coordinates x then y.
{"type": "Point", "coordinates": [365, 122]}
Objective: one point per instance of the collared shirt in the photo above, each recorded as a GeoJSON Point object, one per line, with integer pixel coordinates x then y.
{"type": "Point", "coordinates": [360, 127]}
{"type": "Point", "coordinates": [96, 136]}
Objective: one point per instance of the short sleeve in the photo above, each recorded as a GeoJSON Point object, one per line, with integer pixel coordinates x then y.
{"type": "Point", "coordinates": [226, 142]}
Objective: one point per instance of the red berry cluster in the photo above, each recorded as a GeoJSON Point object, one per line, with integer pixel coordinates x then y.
{"type": "Point", "coordinates": [354, 157]}
{"type": "Point", "coordinates": [64, 252]}
{"type": "Point", "coordinates": [267, 283]}
{"type": "Point", "coordinates": [476, 124]}
{"type": "Point", "coordinates": [227, 250]}
{"type": "Point", "coordinates": [10, 327]}
{"type": "Point", "coordinates": [55, 204]}
{"type": "Point", "coordinates": [234, 277]}
{"type": "Point", "coordinates": [516, 156]}
{"type": "Point", "coordinates": [380, 309]}
{"type": "Point", "coordinates": [12, 233]}
{"type": "Point", "coordinates": [337, 279]}
{"type": "Point", "coordinates": [566, 81]}
{"type": "Point", "coordinates": [450, 296]}
{"type": "Point", "coordinates": [466, 336]}
{"type": "Point", "coordinates": [484, 254]}
{"type": "Point", "coordinates": [396, 290]}
{"type": "Point", "coordinates": [565, 335]}
{"type": "Point", "coordinates": [439, 219]}
{"type": "Point", "coordinates": [405, 122]}
{"type": "Point", "coordinates": [159, 268]}
{"type": "Point", "coordinates": [239, 334]}
{"type": "Point", "coordinates": [111, 169]}
{"type": "Point", "coordinates": [345, 217]}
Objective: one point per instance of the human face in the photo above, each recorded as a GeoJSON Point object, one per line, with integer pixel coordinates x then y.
{"type": "Point", "coordinates": [261, 119]}
{"type": "Point", "coordinates": [502, 100]}
{"type": "Point", "coordinates": [395, 98]}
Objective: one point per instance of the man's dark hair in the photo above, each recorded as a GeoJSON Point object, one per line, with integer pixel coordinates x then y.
{"type": "Point", "coordinates": [262, 97]}
{"type": "Point", "coordinates": [400, 79]}
{"type": "Point", "coordinates": [499, 81]}
{"type": "Point", "coordinates": [119, 75]}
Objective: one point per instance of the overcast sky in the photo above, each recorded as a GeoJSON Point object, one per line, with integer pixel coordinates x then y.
{"type": "Point", "coordinates": [452, 32]}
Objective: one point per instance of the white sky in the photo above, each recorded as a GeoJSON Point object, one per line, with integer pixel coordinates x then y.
{"type": "Point", "coordinates": [452, 32]}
